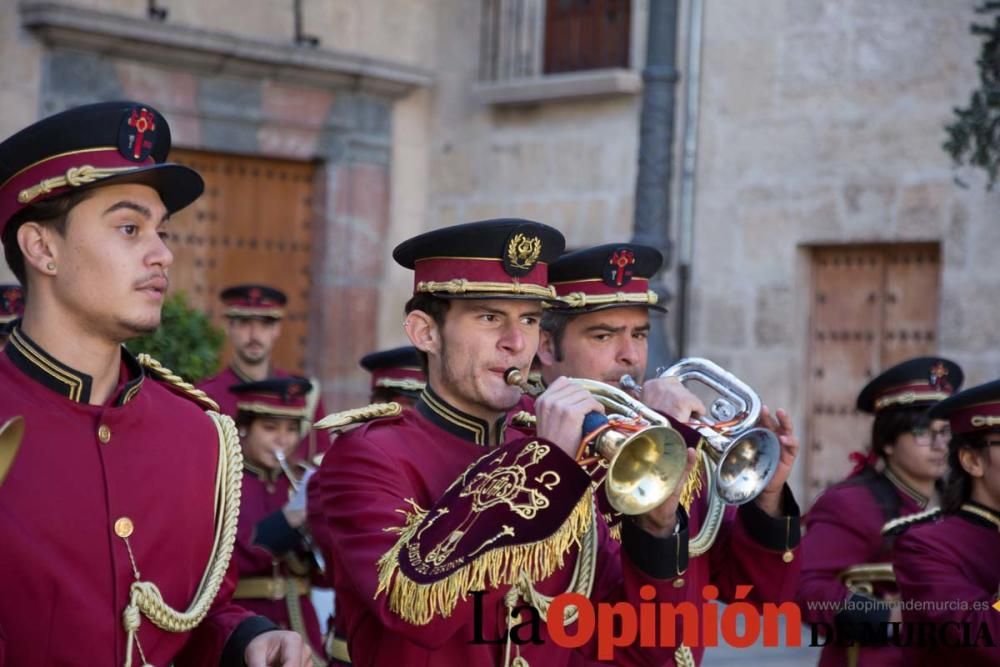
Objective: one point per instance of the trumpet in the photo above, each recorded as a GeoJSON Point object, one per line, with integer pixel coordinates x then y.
{"type": "Point", "coordinates": [294, 480]}
{"type": "Point", "coordinates": [646, 457]}
{"type": "Point", "coordinates": [741, 458]}
{"type": "Point", "coordinates": [11, 434]}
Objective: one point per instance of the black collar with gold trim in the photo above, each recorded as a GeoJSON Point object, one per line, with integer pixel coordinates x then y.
{"type": "Point", "coordinates": [980, 514]}
{"type": "Point", "coordinates": [42, 367]}
{"type": "Point", "coordinates": [894, 479]}
{"type": "Point", "coordinates": [456, 422]}
{"type": "Point", "coordinates": [266, 474]}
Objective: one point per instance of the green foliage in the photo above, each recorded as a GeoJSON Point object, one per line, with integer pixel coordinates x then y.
{"type": "Point", "coordinates": [974, 136]}
{"type": "Point", "coordinates": [186, 342]}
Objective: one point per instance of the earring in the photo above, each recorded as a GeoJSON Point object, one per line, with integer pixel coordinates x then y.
{"type": "Point", "coordinates": [243, 433]}
{"type": "Point", "coordinates": [51, 266]}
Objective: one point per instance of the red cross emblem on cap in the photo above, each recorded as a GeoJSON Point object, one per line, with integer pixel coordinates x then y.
{"type": "Point", "coordinates": [620, 260]}
{"type": "Point", "coordinates": [142, 120]}
{"type": "Point", "coordinates": [938, 373]}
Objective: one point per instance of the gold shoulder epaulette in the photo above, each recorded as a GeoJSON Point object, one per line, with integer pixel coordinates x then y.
{"type": "Point", "coordinates": [339, 420]}
{"type": "Point", "coordinates": [186, 389]}
{"type": "Point", "coordinates": [524, 418]}
{"type": "Point", "coordinates": [898, 526]}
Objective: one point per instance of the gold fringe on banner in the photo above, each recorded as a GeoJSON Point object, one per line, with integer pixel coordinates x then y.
{"type": "Point", "coordinates": [418, 603]}
{"type": "Point", "coordinates": [693, 485]}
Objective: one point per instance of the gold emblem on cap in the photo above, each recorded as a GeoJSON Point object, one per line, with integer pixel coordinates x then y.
{"type": "Point", "coordinates": [523, 251]}
{"type": "Point", "coordinates": [124, 527]}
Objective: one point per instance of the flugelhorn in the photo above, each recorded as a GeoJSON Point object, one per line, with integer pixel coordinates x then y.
{"type": "Point", "coordinates": [741, 457]}
{"type": "Point", "coordinates": [646, 457]}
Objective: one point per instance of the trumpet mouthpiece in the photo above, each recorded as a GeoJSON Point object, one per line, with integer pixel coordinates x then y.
{"type": "Point", "coordinates": [514, 377]}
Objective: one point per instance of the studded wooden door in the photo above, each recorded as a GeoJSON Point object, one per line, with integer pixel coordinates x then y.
{"type": "Point", "coordinates": [253, 224]}
{"type": "Point", "coordinates": [873, 306]}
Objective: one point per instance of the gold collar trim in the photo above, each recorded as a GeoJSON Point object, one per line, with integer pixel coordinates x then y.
{"type": "Point", "coordinates": [42, 367]}
{"type": "Point", "coordinates": [915, 495]}
{"type": "Point", "coordinates": [266, 474]}
{"type": "Point", "coordinates": [982, 512]}
{"type": "Point", "coordinates": [456, 422]}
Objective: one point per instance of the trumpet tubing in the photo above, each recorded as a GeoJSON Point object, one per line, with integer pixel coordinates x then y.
{"type": "Point", "coordinates": [646, 457]}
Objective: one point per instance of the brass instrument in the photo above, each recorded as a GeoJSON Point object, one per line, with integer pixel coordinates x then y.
{"type": "Point", "coordinates": [646, 457]}
{"type": "Point", "coordinates": [11, 434]}
{"type": "Point", "coordinates": [863, 577]}
{"type": "Point", "coordinates": [741, 458]}
{"type": "Point", "coordinates": [293, 479]}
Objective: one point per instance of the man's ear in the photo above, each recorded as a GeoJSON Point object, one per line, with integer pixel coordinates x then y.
{"type": "Point", "coordinates": [423, 332]}
{"type": "Point", "coordinates": [971, 462]}
{"type": "Point", "coordinates": [546, 348]}
{"type": "Point", "coordinates": [37, 248]}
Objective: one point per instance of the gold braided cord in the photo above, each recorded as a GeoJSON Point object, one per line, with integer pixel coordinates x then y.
{"type": "Point", "coordinates": [171, 378]}
{"type": "Point", "coordinates": [582, 299]}
{"type": "Point", "coordinates": [357, 415]}
{"type": "Point", "coordinates": [463, 286]}
{"type": "Point", "coordinates": [910, 397]}
{"type": "Point", "coordinates": [419, 603]}
{"type": "Point", "coordinates": [74, 176]}
{"type": "Point", "coordinates": [405, 384]}
{"type": "Point", "coordinates": [146, 599]}
{"type": "Point", "coordinates": [297, 622]}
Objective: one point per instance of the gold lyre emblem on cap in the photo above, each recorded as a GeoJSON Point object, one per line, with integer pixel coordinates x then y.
{"type": "Point", "coordinates": [523, 250]}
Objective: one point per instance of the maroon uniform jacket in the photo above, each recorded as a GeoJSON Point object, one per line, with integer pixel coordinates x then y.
{"type": "Point", "coordinates": [953, 560]}
{"type": "Point", "coordinates": [149, 455]}
{"type": "Point", "coordinates": [266, 546]}
{"type": "Point", "coordinates": [844, 529]}
{"type": "Point", "coordinates": [370, 472]}
{"type": "Point", "coordinates": [217, 387]}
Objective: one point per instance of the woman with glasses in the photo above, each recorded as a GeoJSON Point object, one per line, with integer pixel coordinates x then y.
{"type": "Point", "coordinates": [948, 562]}
{"type": "Point", "coordinates": [845, 568]}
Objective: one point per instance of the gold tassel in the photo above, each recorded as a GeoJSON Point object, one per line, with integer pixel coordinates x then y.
{"type": "Point", "coordinates": [615, 531]}
{"type": "Point", "coordinates": [419, 603]}
{"type": "Point", "coordinates": [693, 485]}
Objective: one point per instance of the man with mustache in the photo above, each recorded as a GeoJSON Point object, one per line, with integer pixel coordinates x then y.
{"type": "Point", "coordinates": [445, 522]}
{"type": "Point", "coordinates": [599, 331]}
{"type": "Point", "coordinates": [253, 315]}
{"type": "Point", "coordinates": [118, 508]}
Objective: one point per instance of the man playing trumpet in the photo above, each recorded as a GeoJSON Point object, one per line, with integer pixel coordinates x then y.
{"type": "Point", "coordinates": [599, 332]}
{"type": "Point", "coordinates": [272, 553]}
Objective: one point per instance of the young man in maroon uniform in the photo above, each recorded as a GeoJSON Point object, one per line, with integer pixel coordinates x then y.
{"type": "Point", "coordinates": [600, 332]}
{"type": "Point", "coordinates": [896, 478]}
{"type": "Point", "coordinates": [273, 557]}
{"type": "Point", "coordinates": [946, 562]}
{"type": "Point", "coordinates": [119, 505]}
{"type": "Point", "coordinates": [427, 511]}
{"type": "Point", "coordinates": [253, 324]}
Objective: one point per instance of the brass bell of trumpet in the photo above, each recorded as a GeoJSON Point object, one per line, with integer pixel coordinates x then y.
{"type": "Point", "coordinates": [646, 457]}
{"type": "Point", "coordinates": [745, 456]}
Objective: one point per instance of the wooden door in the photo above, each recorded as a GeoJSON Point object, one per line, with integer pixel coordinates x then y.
{"type": "Point", "coordinates": [586, 34]}
{"type": "Point", "coordinates": [253, 224]}
{"type": "Point", "coordinates": [872, 306]}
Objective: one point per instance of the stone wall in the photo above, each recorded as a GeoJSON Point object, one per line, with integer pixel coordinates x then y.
{"type": "Point", "coordinates": [822, 123]}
